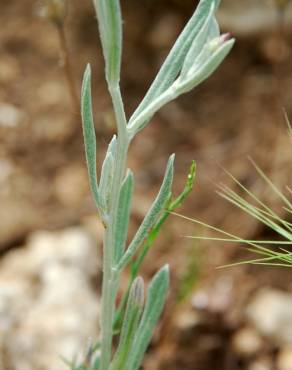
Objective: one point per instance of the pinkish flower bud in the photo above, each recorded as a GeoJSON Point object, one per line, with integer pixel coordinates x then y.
{"type": "Point", "coordinates": [218, 41]}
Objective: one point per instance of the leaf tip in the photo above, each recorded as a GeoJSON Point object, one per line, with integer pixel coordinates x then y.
{"type": "Point", "coordinates": [165, 269]}
{"type": "Point", "coordinates": [138, 291]}
{"type": "Point", "coordinates": [88, 68]}
{"type": "Point", "coordinates": [86, 83]}
{"type": "Point", "coordinates": [87, 73]}
{"type": "Point", "coordinates": [170, 163]}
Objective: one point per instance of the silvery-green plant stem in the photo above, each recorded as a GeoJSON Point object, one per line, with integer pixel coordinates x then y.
{"type": "Point", "coordinates": [197, 53]}
{"type": "Point", "coordinates": [110, 276]}
{"type": "Point", "coordinates": [142, 119]}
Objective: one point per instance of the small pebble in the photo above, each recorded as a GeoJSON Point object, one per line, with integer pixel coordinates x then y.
{"type": "Point", "coordinates": [270, 314]}
{"type": "Point", "coordinates": [10, 116]}
{"type": "Point", "coordinates": [263, 363]}
{"type": "Point", "coordinates": [246, 342]}
{"type": "Point", "coordinates": [284, 359]}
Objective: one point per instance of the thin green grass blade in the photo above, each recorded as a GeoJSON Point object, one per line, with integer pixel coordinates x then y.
{"type": "Point", "coordinates": [267, 212]}
{"type": "Point", "coordinates": [250, 193]}
{"type": "Point", "coordinates": [222, 232]}
{"type": "Point", "coordinates": [271, 184]}
{"type": "Point", "coordinates": [288, 123]}
{"type": "Point", "coordinates": [248, 208]}
{"type": "Point", "coordinates": [267, 215]}
{"type": "Point", "coordinates": [229, 240]}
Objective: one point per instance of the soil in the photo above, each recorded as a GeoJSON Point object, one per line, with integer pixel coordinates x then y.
{"type": "Point", "coordinates": [237, 113]}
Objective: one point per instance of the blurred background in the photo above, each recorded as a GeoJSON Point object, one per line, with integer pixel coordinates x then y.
{"type": "Point", "coordinates": [50, 236]}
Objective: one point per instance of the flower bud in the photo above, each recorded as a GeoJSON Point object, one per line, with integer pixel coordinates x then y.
{"type": "Point", "coordinates": [218, 41]}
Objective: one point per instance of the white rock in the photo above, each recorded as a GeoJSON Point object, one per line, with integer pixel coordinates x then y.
{"type": "Point", "coordinates": [246, 342]}
{"type": "Point", "coordinates": [48, 307]}
{"type": "Point", "coordinates": [270, 312]}
{"type": "Point", "coordinates": [10, 116]}
{"type": "Point", "coordinates": [263, 363]}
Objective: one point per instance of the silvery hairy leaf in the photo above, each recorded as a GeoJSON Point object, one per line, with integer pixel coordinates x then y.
{"type": "Point", "coordinates": [174, 61]}
{"type": "Point", "coordinates": [112, 148]}
{"type": "Point", "coordinates": [89, 135]}
{"type": "Point", "coordinates": [210, 59]}
{"type": "Point", "coordinates": [124, 208]}
{"type": "Point", "coordinates": [156, 296]}
{"type": "Point", "coordinates": [131, 321]}
{"type": "Point", "coordinates": [195, 55]}
{"type": "Point", "coordinates": [199, 41]}
{"type": "Point", "coordinates": [152, 215]}
{"type": "Point", "coordinates": [214, 30]}
{"type": "Point", "coordinates": [211, 56]}
{"type": "Point", "coordinates": [106, 180]}
{"type": "Point", "coordinates": [110, 28]}
{"type": "Point", "coordinates": [107, 173]}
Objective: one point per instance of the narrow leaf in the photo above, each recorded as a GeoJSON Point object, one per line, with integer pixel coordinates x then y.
{"type": "Point", "coordinates": [106, 179]}
{"type": "Point", "coordinates": [156, 296]}
{"type": "Point", "coordinates": [199, 42]}
{"type": "Point", "coordinates": [96, 362]}
{"type": "Point", "coordinates": [136, 264]}
{"type": "Point", "coordinates": [130, 323]}
{"type": "Point", "coordinates": [173, 204]}
{"type": "Point", "coordinates": [89, 135]}
{"type": "Point", "coordinates": [152, 215]}
{"type": "Point", "coordinates": [214, 29]}
{"type": "Point", "coordinates": [112, 148]}
{"type": "Point", "coordinates": [174, 61]}
{"type": "Point", "coordinates": [124, 207]}
{"type": "Point", "coordinates": [107, 173]}
{"type": "Point", "coordinates": [198, 73]}
{"type": "Point", "coordinates": [110, 27]}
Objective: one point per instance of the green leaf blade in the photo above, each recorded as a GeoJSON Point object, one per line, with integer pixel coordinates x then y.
{"type": "Point", "coordinates": [131, 321]}
{"type": "Point", "coordinates": [155, 301]}
{"type": "Point", "coordinates": [199, 41]}
{"type": "Point", "coordinates": [174, 61]}
{"type": "Point", "coordinates": [106, 180]}
{"type": "Point", "coordinates": [124, 208]}
{"type": "Point", "coordinates": [89, 135]}
{"type": "Point", "coordinates": [110, 28]}
{"type": "Point", "coordinates": [152, 215]}
{"type": "Point", "coordinates": [195, 76]}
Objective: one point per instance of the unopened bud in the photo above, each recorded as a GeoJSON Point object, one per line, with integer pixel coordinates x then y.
{"type": "Point", "coordinates": [218, 41]}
